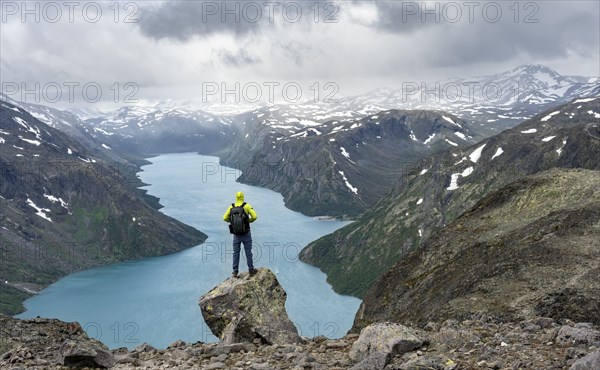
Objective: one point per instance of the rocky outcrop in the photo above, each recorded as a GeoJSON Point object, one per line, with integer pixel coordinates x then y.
{"type": "Point", "coordinates": [49, 343]}
{"type": "Point", "coordinates": [510, 256]}
{"type": "Point", "coordinates": [589, 362]}
{"type": "Point", "coordinates": [86, 353]}
{"type": "Point", "coordinates": [390, 339]}
{"type": "Point", "coordinates": [248, 307]}
{"type": "Point", "coordinates": [582, 333]}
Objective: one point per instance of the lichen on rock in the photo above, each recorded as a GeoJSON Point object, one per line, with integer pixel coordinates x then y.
{"type": "Point", "coordinates": [249, 307]}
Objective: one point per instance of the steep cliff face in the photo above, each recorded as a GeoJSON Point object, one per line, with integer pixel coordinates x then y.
{"type": "Point", "coordinates": [440, 188]}
{"type": "Point", "coordinates": [62, 210]}
{"type": "Point", "coordinates": [341, 168]}
{"type": "Point", "coordinates": [530, 249]}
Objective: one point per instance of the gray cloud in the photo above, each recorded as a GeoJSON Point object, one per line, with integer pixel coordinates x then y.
{"type": "Point", "coordinates": [545, 30]}
{"type": "Point", "coordinates": [399, 16]}
{"type": "Point", "coordinates": [238, 58]}
{"type": "Point", "coordinates": [182, 20]}
{"type": "Point", "coordinates": [171, 51]}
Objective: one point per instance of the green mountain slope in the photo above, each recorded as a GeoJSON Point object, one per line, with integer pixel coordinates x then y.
{"type": "Point", "coordinates": [531, 248]}
{"type": "Point", "coordinates": [64, 210]}
{"type": "Point", "coordinates": [445, 185]}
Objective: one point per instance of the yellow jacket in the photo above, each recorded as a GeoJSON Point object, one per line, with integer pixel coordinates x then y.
{"type": "Point", "coordinates": [239, 200]}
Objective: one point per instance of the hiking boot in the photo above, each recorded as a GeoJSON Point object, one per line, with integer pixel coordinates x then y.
{"type": "Point", "coordinates": [234, 274]}
{"type": "Point", "coordinates": [252, 272]}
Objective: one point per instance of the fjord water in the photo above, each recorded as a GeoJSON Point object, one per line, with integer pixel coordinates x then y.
{"type": "Point", "coordinates": [155, 300]}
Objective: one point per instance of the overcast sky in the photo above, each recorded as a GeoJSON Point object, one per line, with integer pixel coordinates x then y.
{"type": "Point", "coordinates": [172, 50]}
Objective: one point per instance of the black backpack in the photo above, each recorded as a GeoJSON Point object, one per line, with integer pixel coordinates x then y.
{"type": "Point", "coordinates": [239, 223]}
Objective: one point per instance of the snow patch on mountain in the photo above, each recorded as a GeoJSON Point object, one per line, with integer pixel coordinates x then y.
{"type": "Point", "coordinates": [34, 142]}
{"type": "Point", "coordinates": [559, 150]}
{"type": "Point", "coordinates": [460, 135]}
{"type": "Point", "coordinates": [586, 100]}
{"type": "Point", "coordinates": [467, 172]}
{"type": "Point", "coordinates": [429, 138]}
{"type": "Point", "coordinates": [451, 142]}
{"type": "Point", "coordinates": [544, 119]}
{"type": "Point", "coordinates": [348, 185]}
{"type": "Point", "coordinates": [450, 120]}
{"type": "Point", "coordinates": [54, 199]}
{"type": "Point", "coordinates": [529, 131]}
{"type": "Point", "coordinates": [476, 154]}
{"type": "Point", "coordinates": [596, 115]}
{"type": "Point", "coordinates": [453, 181]}
{"type": "Point", "coordinates": [498, 152]}
{"type": "Point", "coordinates": [39, 211]}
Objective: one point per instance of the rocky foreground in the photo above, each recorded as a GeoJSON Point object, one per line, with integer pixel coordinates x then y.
{"type": "Point", "coordinates": [474, 344]}
{"type": "Point", "coordinates": [248, 316]}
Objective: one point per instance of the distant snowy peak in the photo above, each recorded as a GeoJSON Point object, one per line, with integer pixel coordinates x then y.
{"type": "Point", "coordinates": [129, 121]}
{"type": "Point", "coordinates": [145, 115]}
{"type": "Point", "coordinates": [496, 102]}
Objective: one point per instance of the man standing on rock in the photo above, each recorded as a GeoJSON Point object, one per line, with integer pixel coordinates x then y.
{"type": "Point", "coordinates": [239, 215]}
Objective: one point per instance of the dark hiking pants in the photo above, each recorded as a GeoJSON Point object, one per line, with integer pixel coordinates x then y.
{"type": "Point", "coordinates": [246, 239]}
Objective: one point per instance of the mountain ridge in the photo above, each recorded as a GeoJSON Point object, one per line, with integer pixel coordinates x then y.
{"type": "Point", "coordinates": [441, 187]}
{"type": "Point", "coordinates": [64, 209]}
{"type": "Point", "coordinates": [341, 168]}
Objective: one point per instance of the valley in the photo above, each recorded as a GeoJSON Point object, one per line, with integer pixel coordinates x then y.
{"type": "Point", "coordinates": [64, 209]}
{"type": "Point", "coordinates": [404, 173]}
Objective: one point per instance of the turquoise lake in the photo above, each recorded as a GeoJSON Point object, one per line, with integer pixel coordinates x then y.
{"type": "Point", "coordinates": [155, 300]}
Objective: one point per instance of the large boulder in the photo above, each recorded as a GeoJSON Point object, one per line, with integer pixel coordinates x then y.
{"type": "Point", "coordinates": [388, 338]}
{"type": "Point", "coordinates": [589, 362]}
{"type": "Point", "coordinates": [581, 333]}
{"type": "Point", "coordinates": [86, 353]}
{"type": "Point", "coordinates": [46, 343]}
{"type": "Point", "coordinates": [249, 307]}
